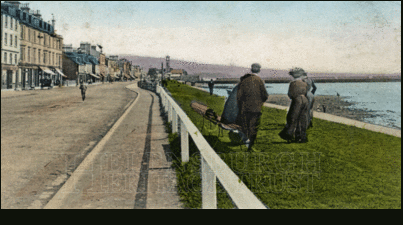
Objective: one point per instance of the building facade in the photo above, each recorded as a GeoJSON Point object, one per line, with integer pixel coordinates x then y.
{"type": "Point", "coordinates": [81, 66]}
{"type": "Point", "coordinates": [10, 48]}
{"type": "Point", "coordinates": [40, 47]}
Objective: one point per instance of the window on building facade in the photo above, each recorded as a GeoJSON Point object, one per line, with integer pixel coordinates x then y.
{"type": "Point", "coordinates": [11, 40]}
{"type": "Point", "coordinates": [11, 23]}
{"type": "Point", "coordinates": [22, 32]}
{"type": "Point", "coordinates": [16, 59]}
{"type": "Point", "coordinates": [39, 56]}
{"type": "Point", "coordinates": [34, 53]}
{"type": "Point", "coordinates": [44, 57]}
{"type": "Point", "coordinates": [15, 41]}
{"type": "Point", "coordinates": [22, 53]}
{"type": "Point", "coordinates": [11, 59]}
{"type": "Point", "coordinates": [29, 55]}
{"type": "Point", "coordinates": [5, 39]}
{"type": "Point", "coordinates": [5, 57]}
{"type": "Point", "coordinates": [35, 37]}
{"type": "Point", "coordinates": [16, 25]}
{"type": "Point", "coordinates": [29, 34]}
{"type": "Point", "coordinates": [6, 22]}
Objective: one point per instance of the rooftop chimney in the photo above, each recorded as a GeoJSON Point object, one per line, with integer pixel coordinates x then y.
{"type": "Point", "coordinates": [25, 7]}
{"type": "Point", "coordinates": [37, 13]}
{"type": "Point", "coordinates": [53, 21]}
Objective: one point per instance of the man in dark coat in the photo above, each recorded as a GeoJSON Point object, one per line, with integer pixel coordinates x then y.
{"type": "Point", "coordinates": [211, 86]}
{"type": "Point", "coordinates": [250, 98]}
{"type": "Point", "coordinates": [298, 115]}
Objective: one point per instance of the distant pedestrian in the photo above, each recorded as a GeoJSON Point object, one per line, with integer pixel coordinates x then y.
{"type": "Point", "coordinates": [251, 95]}
{"type": "Point", "coordinates": [83, 88]}
{"type": "Point", "coordinates": [211, 86]}
{"type": "Point", "coordinates": [297, 117]}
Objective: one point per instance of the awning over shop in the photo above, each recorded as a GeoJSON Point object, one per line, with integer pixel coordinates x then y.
{"type": "Point", "coordinates": [94, 75]}
{"type": "Point", "coordinates": [47, 70]}
{"type": "Point", "coordinates": [127, 76]}
{"type": "Point", "coordinates": [116, 76]}
{"type": "Point", "coordinates": [61, 73]}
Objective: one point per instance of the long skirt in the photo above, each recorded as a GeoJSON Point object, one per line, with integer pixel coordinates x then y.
{"type": "Point", "coordinates": [298, 116]}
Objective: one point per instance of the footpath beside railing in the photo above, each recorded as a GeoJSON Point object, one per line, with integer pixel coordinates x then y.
{"type": "Point", "coordinates": [212, 166]}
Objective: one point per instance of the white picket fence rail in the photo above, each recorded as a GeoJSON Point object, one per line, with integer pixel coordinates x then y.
{"type": "Point", "coordinates": [212, 166]}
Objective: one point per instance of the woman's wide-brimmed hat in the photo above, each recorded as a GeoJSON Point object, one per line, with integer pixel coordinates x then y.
{"type": "Point", "coordinates": [297, 72]}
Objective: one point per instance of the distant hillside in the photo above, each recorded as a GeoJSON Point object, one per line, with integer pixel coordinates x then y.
{"type": "Point", "coordinates": [213, 71]}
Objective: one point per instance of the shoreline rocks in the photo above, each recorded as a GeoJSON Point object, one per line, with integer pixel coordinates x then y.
{"type": "Point", "coordinates": [334, 105]}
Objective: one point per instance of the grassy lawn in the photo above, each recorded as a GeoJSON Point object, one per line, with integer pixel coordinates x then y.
{"type": "Point", "coordinates": [340, 167]}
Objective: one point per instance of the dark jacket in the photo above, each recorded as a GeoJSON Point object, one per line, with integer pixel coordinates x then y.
{"type": "Point", "coordinates": [251, 94]}
{"type": "Point", "coordinates": [297, 88]}
{"type": "Point", "coordinates": [83, 87]}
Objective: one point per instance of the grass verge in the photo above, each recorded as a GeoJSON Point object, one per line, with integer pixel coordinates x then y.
{"type": "Point", "coordinates": [340, 167]}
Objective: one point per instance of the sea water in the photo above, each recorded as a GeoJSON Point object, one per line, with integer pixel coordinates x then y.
{"type": "Point", "coordinates": [382, 99]}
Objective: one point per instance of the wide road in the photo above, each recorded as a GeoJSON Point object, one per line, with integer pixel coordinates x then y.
{"type": "Point", "coordinates": [45, 134]}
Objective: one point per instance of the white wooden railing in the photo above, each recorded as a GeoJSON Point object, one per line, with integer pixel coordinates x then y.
{"type": "Point", "coordinates": [212, 165]}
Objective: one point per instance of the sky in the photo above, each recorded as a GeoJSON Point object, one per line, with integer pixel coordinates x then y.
{"type": "Point", "coordinates": [355, 37]}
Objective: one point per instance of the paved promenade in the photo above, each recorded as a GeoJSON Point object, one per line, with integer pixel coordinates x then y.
{"type": "Point", "coordinates": [129, 168]}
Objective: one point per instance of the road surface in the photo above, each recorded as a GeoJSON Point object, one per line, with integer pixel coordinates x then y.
{"type": "Point", "coordinates": [45, 134]}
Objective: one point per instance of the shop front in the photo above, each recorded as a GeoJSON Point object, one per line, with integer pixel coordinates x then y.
{"type": "Point", "coordinates": [8, 76]}
{"type": "Point", "coordinates": [93, 78]}
{"type": "Point", "coordinates": [29, 78]}
{"type": "Point", "coordinates": [60, 76]}
{"type": "Point", "coordinates": [47, 77]}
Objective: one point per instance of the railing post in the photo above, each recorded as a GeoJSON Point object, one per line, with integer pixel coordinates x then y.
{"type": "Point", "coordinates": [169, 112]}
{"type": "Point", "coordinates": [209, 193]}
{"type": "Point", "coordinates": [165, 102]}
{"type": "Point", "coordinates": [184, 142]}
{"type": "Point", "coordinates": [174, 121]}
